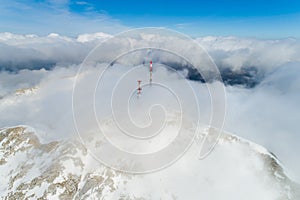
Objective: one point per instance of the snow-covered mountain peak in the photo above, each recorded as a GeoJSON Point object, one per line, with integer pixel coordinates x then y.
{"type": "Point", "coordinates": [65, 170]}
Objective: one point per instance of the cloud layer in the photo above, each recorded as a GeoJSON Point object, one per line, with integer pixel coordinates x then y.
{"type": "Point", "coordinates": [241, 61]}
{"type": "Point", "coordinates": [267, 113]}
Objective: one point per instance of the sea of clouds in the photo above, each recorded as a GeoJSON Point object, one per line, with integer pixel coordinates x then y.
{"type": "Point", "coordinates": [267, 113]}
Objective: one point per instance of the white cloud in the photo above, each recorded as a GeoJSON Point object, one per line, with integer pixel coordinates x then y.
{"type": "Point", "coordinates": [238, 52]}
{"type": "Point", "coordinates": [227, 52]}
{"type": "Point", "coordinates": [34, 52]}
{"type": "Point", "coordinates": [267, 114]}
{"type": "Point", "coordinates": [91, 37]}
{"type": "Point", "coordinates": [44, 17]}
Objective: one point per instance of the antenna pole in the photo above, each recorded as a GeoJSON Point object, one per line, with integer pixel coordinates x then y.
{"type": "Point", "coordinates": [150, 70]}
{"type": "Point", "coordinates": [139, 88]}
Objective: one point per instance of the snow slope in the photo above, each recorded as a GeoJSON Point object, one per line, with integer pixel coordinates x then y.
{"type": "Point", "coordinates": [236, 169]}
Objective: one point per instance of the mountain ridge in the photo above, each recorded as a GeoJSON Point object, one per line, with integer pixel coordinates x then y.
{"type": "Point", "coordinates": [65, 170]}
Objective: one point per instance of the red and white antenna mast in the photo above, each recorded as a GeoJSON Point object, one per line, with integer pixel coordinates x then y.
{"type": "Point", "coordinates": [150, 70]}
{"type": "Point", "coordinates": [139, 88]}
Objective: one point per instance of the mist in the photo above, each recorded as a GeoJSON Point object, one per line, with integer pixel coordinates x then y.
{"type": "Point", "coordinates": [266, 113]}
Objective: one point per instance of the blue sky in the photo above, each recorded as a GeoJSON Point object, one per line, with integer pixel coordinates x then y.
{"type": "Point", "coordinates": [262, 19]}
